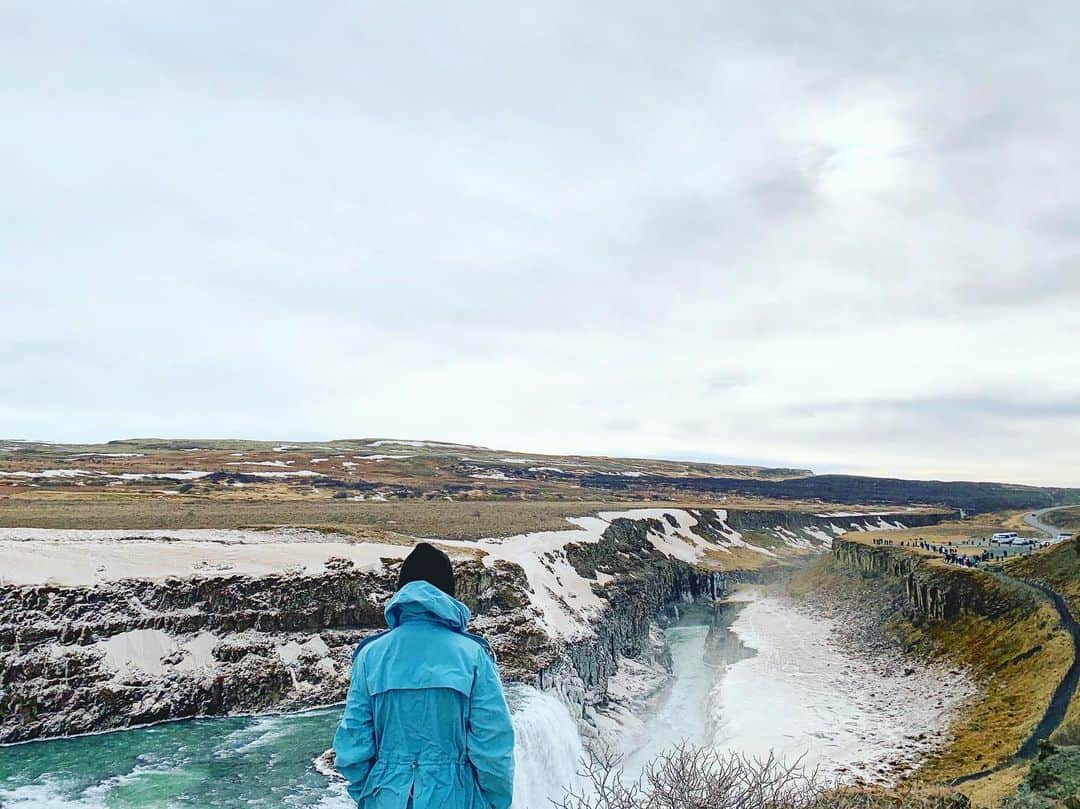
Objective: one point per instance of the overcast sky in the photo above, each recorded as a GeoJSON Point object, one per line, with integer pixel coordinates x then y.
{"type": "Point", "coordinates": [840, 235]}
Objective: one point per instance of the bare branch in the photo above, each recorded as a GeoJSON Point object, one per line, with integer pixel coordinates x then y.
{"type": "Point", "coordinates": [689, 777]}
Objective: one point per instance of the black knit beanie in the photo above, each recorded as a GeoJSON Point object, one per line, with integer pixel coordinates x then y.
{"type": "Point", "coordinates": [427, 563]}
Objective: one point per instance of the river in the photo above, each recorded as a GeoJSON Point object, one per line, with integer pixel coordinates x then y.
{"type": "Point", "coordinates": [764, 675]}
{"type": "Point", "coordinates": [761, 676]}
{"type": "Point", "coordinates": [258, 762]}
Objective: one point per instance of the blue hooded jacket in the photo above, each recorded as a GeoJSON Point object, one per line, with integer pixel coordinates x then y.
{"type": "Point", "coordinates": [426, 724]}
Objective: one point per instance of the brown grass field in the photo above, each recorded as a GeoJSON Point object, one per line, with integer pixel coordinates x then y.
{"type": "Point", "coordinates": [280, 505]}
{"type": "Point", "coordinates": [1067, 519]}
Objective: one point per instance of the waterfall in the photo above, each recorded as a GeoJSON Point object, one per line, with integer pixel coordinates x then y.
{"type": "Point", "coordinates": [547, 750]}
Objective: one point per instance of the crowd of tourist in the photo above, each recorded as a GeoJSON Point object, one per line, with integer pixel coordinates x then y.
{"type": "Point", "coordinates": [949, 554]}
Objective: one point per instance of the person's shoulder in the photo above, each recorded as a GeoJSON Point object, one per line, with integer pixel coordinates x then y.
{"type": "Point", "coordinates": [367, 642]}
{"type": "Point", "coordinates": [471, 645]}
{"type": "Point", "coordinates": [481, 642]}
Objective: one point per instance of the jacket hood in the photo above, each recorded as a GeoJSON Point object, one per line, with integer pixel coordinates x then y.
{"type": "Point", "coordinates": [421, 600]}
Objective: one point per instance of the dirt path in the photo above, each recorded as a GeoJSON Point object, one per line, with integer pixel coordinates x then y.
{"type": "Point", "coordinates": [1063, 694]}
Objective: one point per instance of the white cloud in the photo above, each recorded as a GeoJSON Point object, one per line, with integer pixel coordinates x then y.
{"type": "Point", "coordinates": [551, 226]}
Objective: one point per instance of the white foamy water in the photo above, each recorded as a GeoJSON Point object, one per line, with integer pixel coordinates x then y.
{"type": "Point", "coordinates": [763, 676]}
{"type": "Point", "coordinates": [802, 695]}
{"type": "Point", "coordinates": [547, 748]}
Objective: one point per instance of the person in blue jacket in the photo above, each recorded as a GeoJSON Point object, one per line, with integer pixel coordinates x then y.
{"type": "Point", "coordinates": [425, 724]}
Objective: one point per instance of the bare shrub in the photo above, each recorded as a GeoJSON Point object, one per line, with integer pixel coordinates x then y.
{"type": "Point", "coordinates": [688, 777]}
{"type": "Point", "coordinates": [918, 797]}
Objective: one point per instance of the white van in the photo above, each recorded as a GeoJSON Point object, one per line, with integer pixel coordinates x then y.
{"type": "Point", "coordinates": [1005, 538]}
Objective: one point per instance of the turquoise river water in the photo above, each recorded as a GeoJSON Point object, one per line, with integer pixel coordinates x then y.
{"type": "Point", "coordinates": [254, 762]}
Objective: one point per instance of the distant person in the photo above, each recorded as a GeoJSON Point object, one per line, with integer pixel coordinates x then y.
{"type": "Point", "coordinates": [426, 725]}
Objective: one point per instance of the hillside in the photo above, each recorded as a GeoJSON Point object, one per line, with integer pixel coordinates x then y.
{"type": "Point", "coordinates": [36, 477]}
{"type": "Point", "coordinates": [1057, 567]}
{"type": "Point", "coordinates": [1067, 519]}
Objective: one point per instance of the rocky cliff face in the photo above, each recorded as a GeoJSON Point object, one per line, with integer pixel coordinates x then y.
{"type": "Point", "coordinates": [75, 659]}
{"type": "Point", "coordinates": [81, 659]}
{"type": "Point", "coordinates": [768, 520]}
{"type": "Point", "coordinates": [932, 590]}
{"type": "Point", "coordinates": [641, 581]}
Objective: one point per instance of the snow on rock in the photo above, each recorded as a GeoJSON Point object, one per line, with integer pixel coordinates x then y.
{"type": "Point", "coordinates": [820, 535]}
{"type": "Point", "coordinates": [299, 473]}
{"type": "Point", "coordinates": [791, 538]}
{"type": "Point", "coordinates": [291, 651]}
{"type": "Point", "coordinates": [498, 474]}
{"type": "Point", "coordinates": [727, 537]}
{"type": "Point", "coordinates": [49, 473]}
{"type": "Point", "coordinates": [190, 474]}
{"type": "Point", "coordinates": [152, 651]}
{"type": "Point", "coordinates": [108, 455]}
{"type": "Point", "coordinates": [678, 541]}
{"type": "Point", "coordinates": [564, 599]}
{"type": "Point", "coordinates": [33, 556]}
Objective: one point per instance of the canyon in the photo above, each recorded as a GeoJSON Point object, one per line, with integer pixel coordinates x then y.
{"type": "Point", "coordinates": [93, 647]}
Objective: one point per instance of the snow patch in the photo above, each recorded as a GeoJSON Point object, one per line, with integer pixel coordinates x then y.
{"type": "Point", "coordinates": [109, 455]}
{"type": "Point", "coordinates": [49, 473]}
{"type": "Point", "coordinates": [497, 474]}
{"type": "Point", "coordinates": [145, 650]}
{"type": "Point", "coordinates": [839, 711]}
{"type": "Point", "coordinates": [565, 601]}
{"type": "Point", "coordinates": [299, 473]}
{"type": "Point", "coordinates": [820, 535]}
